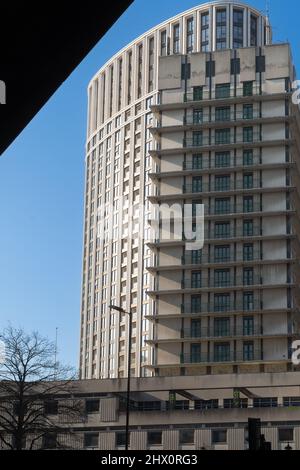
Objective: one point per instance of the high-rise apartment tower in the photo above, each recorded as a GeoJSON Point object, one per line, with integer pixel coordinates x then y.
{"type": "Point", "coordinates": [197, 110]}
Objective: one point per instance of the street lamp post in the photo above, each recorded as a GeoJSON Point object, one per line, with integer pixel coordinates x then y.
{"type": "Point", "coordinates": [121, 310]}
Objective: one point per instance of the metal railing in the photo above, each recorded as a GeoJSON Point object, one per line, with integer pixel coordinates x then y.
{"type": "Point", "coordinates": [231, 356]}
{"type": "Point", "coordinates": [221, 94]}
{"type": "Point", "coordinates": [189, 258]}
{"type": "Point", "coordinates": [206, 164]}
{"type": "Point", "coordinates": [194, 283]}
{"type": "Point", "coordinates": [199, 187]}
{"type": "Point", "coordinates": [231, 139]}
{"type": "Point", "coordinates": [214, 332]}
{"type": "Point", "coordinates": [225, 117]}
{"type": "Point", "coordinates": [188, 309]}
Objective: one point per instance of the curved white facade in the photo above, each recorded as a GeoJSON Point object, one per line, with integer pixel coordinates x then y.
{"type": "Point", "coordinates": [118, 163]}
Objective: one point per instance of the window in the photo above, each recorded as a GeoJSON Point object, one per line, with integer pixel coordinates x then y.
{"type": "Point", "coordinates": [235, 403]}
{"type": "Point", "coordinates": [196, 279]}
{"type": "Point", "coordinates": [197, 93]}
{"type": "Point", "coordinates": [91, 439]}
{"type": "Point", "coordinates": [50, 440]}
{"type": "Point", "coordinates": [248, 180]}
{"type": "Point", "coordinates": [248, 229]}
{"type": "Point", "coordinates": [196, 304]}
{"type": "Point", "coordinates": [264, 402]}
{"type": "Point", "coordinates": [222, 277]}
{"type": "Point", "coordinates": [206, 404]}
{"type": "Point", "coordinates": [222, 159]}
{"type": "Point", "coordinates": [247, 134]}
{"type": "Point", "coordinates": [222, 136]}
{"type": "Point", "coordinates": [248, 204]}
{"type": "Point", "coordinates": [248, 351]}
{"type": "Point", "coordinates": [248, 111]}
{"type": "Point", "coordinates": [223, 113]}
{"type": "Point", "coordinates": [286, 434]}
{"type": "Point", "coordinates": [223, 91]}
{"type": "Point", "coordinates": [197, 138]}
{"type": "Point", "coordinates": [196, 352]}
{"type": "Point", "coordinates": [248, 252]}
{"type": "Point", "coordinates": [222, 230]}
{"type": "Point", "coordinates": [195, 328]}
{"type": "Point", "coordinates": [176, 39]}
{"type": "Point", "coordinates": [197, 184]}
{"type": "Point", "coordinates": [221, 26]}
{"type": "Point", "coordinates": [221, 326]}
{"type": "Point", "coordinates": [222, 183]}
{"type": "Point", "coordinates": [248, 276]}
{"type": "Point", "coordinates": [151, 65]}
{"type": "Point", "coordinates": [222, 352]}
{"type": "Point", "coordinates": [248, 157]}
{"type": "Point", "coordinates": [197, 161]}
{"type": "Point", "coordinates": [238, 28]}
{"type": "Point", "coordinates": [197, 116]}
{"type": "Point", "coordinates": [222, 205]}
{"type": "Point", "coordinates": [222, 302]}
{"type": "Point", "coordinates": [154, 438]}
{"type": "Point", "coordinates": [248, 326]}
{"type": "Point", "coordinates": [253, 30]}
{"type": "Point", "coordinates": [291, 401]}
{"type": "Point", "coordinates": [120, 439]}
{"type": "Point", "coordinates": [163, 43]}
{"type": "Point", "coordinates": [196, 256]}
{"type": "Point", "coordinates": [248, 301]}
{"type": "Point", "coordinates": [190, 35]}
{"type": "Point", "coordinates": [186, 436]}
{"type": "Point", "coordinates": [248, 88]}
{"type": "Point", "coordinates": [92, 406]}
{"type": "Point", "coordinates": [51, 407]}
{"type": "Point", "coordinates": [205, 32]}
{"type": "Point", "coordinates": [222, 253]}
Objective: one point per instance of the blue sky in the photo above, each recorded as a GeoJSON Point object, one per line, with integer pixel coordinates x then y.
{"type": "Point", "coordinates": [41, 186]}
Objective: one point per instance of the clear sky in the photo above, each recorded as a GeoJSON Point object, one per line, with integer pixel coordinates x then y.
{"type": "Point", "coordinates": [41, 185]}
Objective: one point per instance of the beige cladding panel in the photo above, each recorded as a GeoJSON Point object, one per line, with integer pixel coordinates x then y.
{"type": "Point", "coordinates": [170, 440]}
{"type": "Point", "coordinates": [106, 440]}
{"type": "Point", "coordinates": [277, 61]}
{"type": "Point", "coordinates": [222, 60]}
{"type": "Point", "coordinates": [198, 69]}
{"type": "Point", "coordinates": [202, 438]}
{"type": "Point", "coordinates": [169, 76]}
{"type": "Point", "coordinates": [247, 64]}
{"type": "Point", "coordinates": [271, 435]}
{"type": "Point", "coordinates": [236, 439]}
{"type": "Point", "coordinates": [138, 440]}
{"type": "Point", "coordinates": [108, 409]}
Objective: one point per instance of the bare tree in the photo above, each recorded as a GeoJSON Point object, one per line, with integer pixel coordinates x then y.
{"type": "Point", "coordinates": [37, 402]}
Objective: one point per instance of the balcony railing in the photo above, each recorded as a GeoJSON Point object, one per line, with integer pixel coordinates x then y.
{"type": "Point", "coordinates": [198, 187]}
{"type": "Point", "coordinates": [189, 258]}
{"type": "Point", "coordinates": [195, 120]}
{"type": "Point", "coordinates": [194, 283]}
{"type": "Point", "coordinates": [221, 94]}
{"type": "Point", "coordinates": [214, 332]}
{"type": "Point", "coordinates": [227, 162]}
{"type": "Point", "coordinates": [188, 309]}
{"type": "Point", "coordinates": [231, 356]}
{"type": "Point", "coordinates": [230, 140]}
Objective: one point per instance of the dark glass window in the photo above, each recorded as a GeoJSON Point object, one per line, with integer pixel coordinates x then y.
{"type": "Point", "coordinates": [197, 161]}
{"type": "Point", "coordinates": [248, 134]}
{"type": "Point", "coordinates": [196, 279]}
{"type": "Point", "coordinates": [197, 138]}
{"type": "Point", "coordinates": [222, 183]}
{"type": "Point", "coordinates": [238, 28]}
{"type": "Point", "coordinates": [248, 111]}
{"type": "Point", "coordinates": [248, 204]}
{"type": "Point", "coordinates": [248, 157]}
{"type": "Point", "coordinates": [248, 326]}
{"type": "Point", "coordinates": [190, 35]}
{"type": "Point", "coordinates": [195, 303]}
{"type": "Point", "coordinates": [222, 352]}
{"type": "Point", "coordinates": [286, 434]}
{"type": "Point", "coordinates": [204, 32]}
{"type": "Point", "coordinates": [197, 93]}
{"type": "Point", "coordinates": [221, 326]}
{"type": "Point", "coordinates": [222, 277]}
{"type": "Point", "coordinates": [163, 43]}
{"type": "Point", "coordinates": [154, 438]}
{"type": "Point", "coordinates": [196, 352]}
{"type": "Point", "coordinates": [186, 436]}
{"type": "Point", "coordinates": [222, 253]}
{"type": "Point", "coordinates": [265, 402]}
{"type": "Point", "coordinates": [248, 301]}
{"type": "Point", "coordinates": [51, 407]}
{"type": "Point", "coordinates": [222, 136]}
{"type": "Point", "coordinates": [248, 252]}
{"type": "Point", "coordinates": [222, 159]}
{"type": "Point", "coordinates": [223, 113]}
{"type": "Point", "coordinates": [222, 302]}
{"type": "Point", "coordinates": [197, 184]}
{"type": "Point", "coordinates": [223, 90]}
{"type": "Point", "coordinates": [222, 229]}
{"type": "Point", "coordinates": [291, 401]}
{"type": "Point", "coordinates": [197, 116]}
{"type": "Point", "coordinates": [195, 328]}
{"type": "Point", "coordinates": [248, 351]}
{"type": "Point", "coordinates": [222, 205]}
{"type": "Point", "coordinates": [196, 256]}
{"type": "Point", "coordinates": [253, 30]}
{"type": "Point", "coordinates": [248, 88]}
{"type": "Point", "coordinates": [120, 439]}
{"type": "Point", "coordinates": [92, 406]}
{"type": "Point", "coordinates": [50, 440]}
{"type": "Point", "coordinates": [248, 180]}
{"type": "Point", "coordinates": [221, 31]}
{"type": "Point", "coordinates": [176, 39]}
{"type": "Point", "coordinates": [248, 276]}
{"type": "Point", "coordinates": [206, 404]}
{"type": "Point", "coordinates": [248, 228]}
